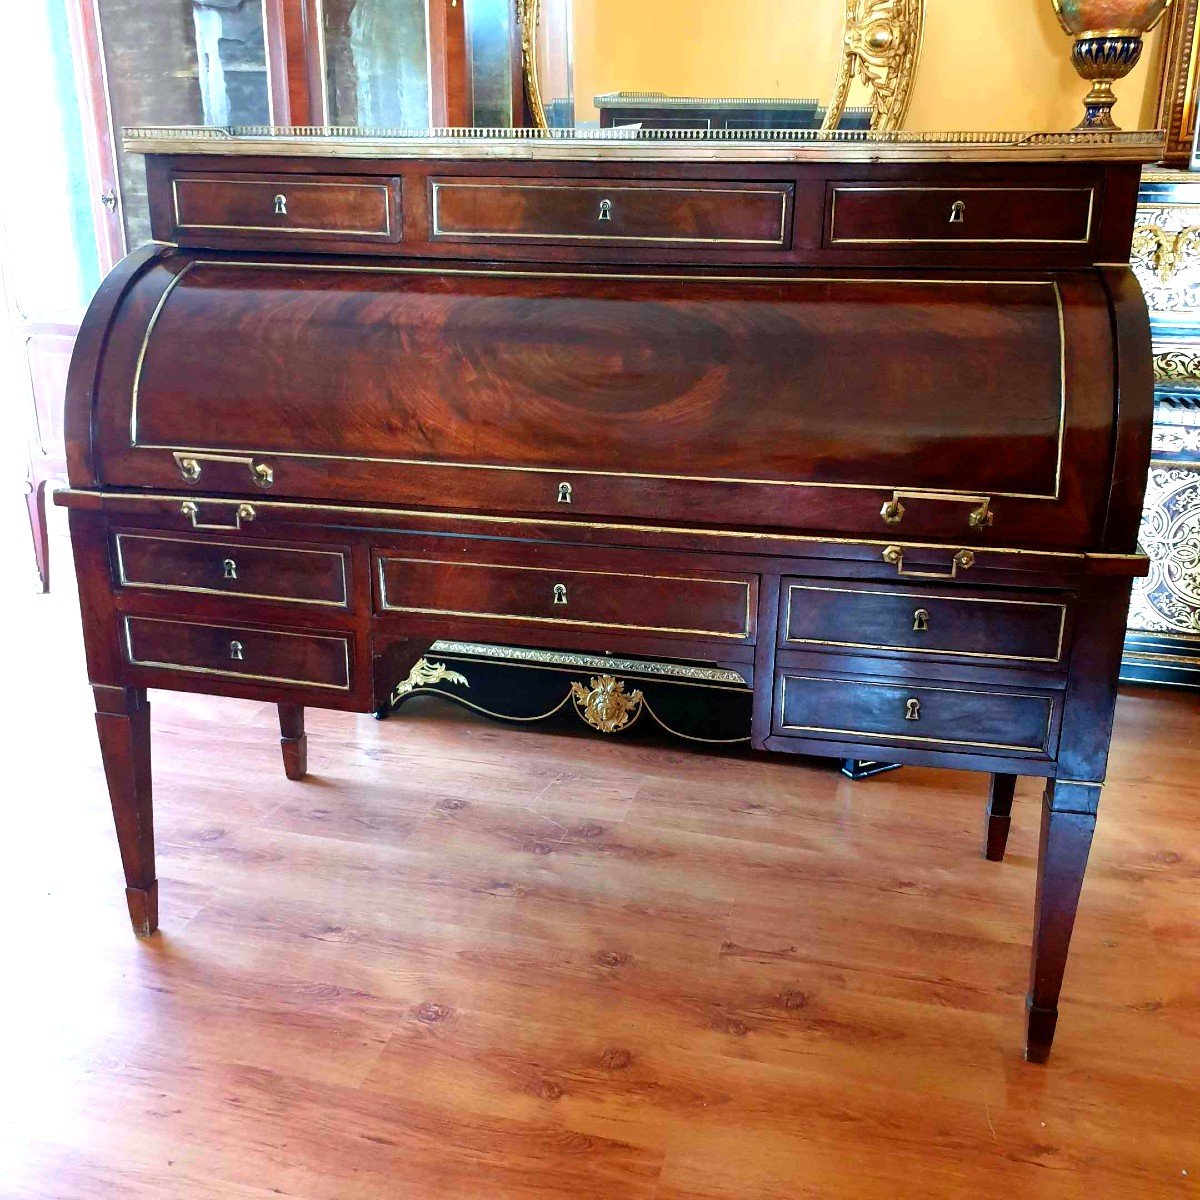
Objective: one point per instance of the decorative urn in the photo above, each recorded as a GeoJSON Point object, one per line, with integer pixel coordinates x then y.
{"type": "Point", "coordinates": [1108, 43]}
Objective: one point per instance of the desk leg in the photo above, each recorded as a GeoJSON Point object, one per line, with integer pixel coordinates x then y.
{"type": "Point", "coordinates": [999, 816]}
{"type": "Point", "coordinates": [1068, 820]}
{"type": "Point", "coordinates": [293, 741]}
{"type": "Point", "coordinates": [123, 722]}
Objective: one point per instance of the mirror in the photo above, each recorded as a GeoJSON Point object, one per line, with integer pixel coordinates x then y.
{"type": "Point", "coordinates": [720, 64]}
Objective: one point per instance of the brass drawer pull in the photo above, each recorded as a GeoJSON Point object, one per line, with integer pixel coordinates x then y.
{"type": "Point", "coordinates": [191, 465]}
{"type": "Point", "coordinates": [921, 621]}
{"type": "Point", "coordinates": [606, 210]}
{"type": "Point", "coordinates": [237, 652]}
{"type": "Point", "coordinates": [560, 593]}
{"type": "Point", "coordinates": [963, 560]}
{"type": "Point", "coordinates": [958, 213]}
{"type": "Point", "coordinates": [189, 508]}
{"type": "Point", "coordinates": [912, 709]}
{"type": "Point", "coordinates": [229, 569]}
{"type": "Point", "coordinates": [281, 205]}
{"type": "Point", "coordinates": [981, 516]}
{"type": "Point", "coordinates": [892, 511]}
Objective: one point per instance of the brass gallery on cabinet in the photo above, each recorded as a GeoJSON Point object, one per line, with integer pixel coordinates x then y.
{"type": "Point", "coordinates": [659, 399]}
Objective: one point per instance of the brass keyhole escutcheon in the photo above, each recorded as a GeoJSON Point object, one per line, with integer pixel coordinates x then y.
{"type": "Point", "coordinates": [606, 208]}
{"type": "Point", "coordinates": [892, 512]}
{"type": "Point", "coordinates": [564, 493]}
{"type": "Point", "coordinates": [560, 593]}
{"type": "Point", "coordinates": [236, 652]}
{"type": "Point", "coordinates": [912, 710]}
{"type": "Point", "coordinates": [958, 213]}
{"type": "Point", "coordinates": [281, 206]}
{"type": "Point", "coordinates": [229, 569]}
{"type": "Point", "coordinates": [921, 621]}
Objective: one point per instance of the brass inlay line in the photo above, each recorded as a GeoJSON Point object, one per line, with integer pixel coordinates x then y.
{"type": "Point", "coordinates": [948, 493]}
{"type": "Point", "coordinates": [284, 183]}
{"type": "Point", "coordinates": [197, 670]}
{"type": "Point", "coordinates": [124, 581]}
{"type": "Point", "coordinates": [917, 649]}
{"type": "Point", "coordinates": [900, 686]}
{"type": "Point", "coordinates": [387, 606]}
{"type": "Point", "coordinates": [965, 240]}
{"type": "Point", "coordinates": [1079, 556]}
{"type": "Point", "coordinates": [780, 193]}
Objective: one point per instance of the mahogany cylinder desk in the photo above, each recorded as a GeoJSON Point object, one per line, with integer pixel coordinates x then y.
{"type": "Point", "coordinates": [864, 419]}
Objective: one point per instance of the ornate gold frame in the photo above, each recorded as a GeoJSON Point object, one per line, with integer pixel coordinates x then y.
{"type": "Point", "coordinates": [881, 46]}
{"type": "Point", "coordinates": [1178, 82]}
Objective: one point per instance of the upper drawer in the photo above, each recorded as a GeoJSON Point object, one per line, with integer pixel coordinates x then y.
{"type": "Point", "coordinates": [245, 570]}
{"type": "Point", "coordinates": [683, 213]}
{"type": "Point", "coordinates": [914, 216]}
{"type": "Point", "coordinates": [821, 614]}
{"type": "Point", "coordinates": [665, 604]}
{"type": "Point", "coordinates": [285, 205]}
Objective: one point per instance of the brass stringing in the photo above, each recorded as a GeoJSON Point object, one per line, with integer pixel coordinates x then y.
{"type": "Point", "coordinates": [426, 674]}
{"type": "Point", "coordinates": [605, 705]}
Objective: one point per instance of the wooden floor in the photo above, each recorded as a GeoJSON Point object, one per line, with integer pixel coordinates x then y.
{"type": "Point", "coordinates": [468, 961]}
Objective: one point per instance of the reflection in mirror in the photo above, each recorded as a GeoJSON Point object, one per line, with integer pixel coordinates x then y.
{"type": "Point", "coordinates": [489, 62]}
{"type": "Point", "coordinates": [692, 64]}
{"type": "Point", "coordinates": [377, 63]}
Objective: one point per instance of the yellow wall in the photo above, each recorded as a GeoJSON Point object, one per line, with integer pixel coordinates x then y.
{"type": "Point", "coordinates": [986, 64]}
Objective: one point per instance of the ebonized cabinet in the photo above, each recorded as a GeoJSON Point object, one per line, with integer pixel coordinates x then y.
{"type": "Point", "coordinates": [637, 398]}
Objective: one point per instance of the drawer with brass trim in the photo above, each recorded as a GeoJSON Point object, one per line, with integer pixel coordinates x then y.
{"type": "Point", "coordinates": [916, 217]}
{"type": "Point", "coordinates": [622, 211]}
{"type": "Point", "coordinates": [718, 606]}
{"type": "Point", "coordinates": [238, 652]}
{"type": "Point", "coordinates": [967, 718]}
{"type": "Point", "coordinates": [294, 205]}
{"type": "Point", "coordinates": [1004, 628]}
{"type": "Point", "coordinates": [247, 570]}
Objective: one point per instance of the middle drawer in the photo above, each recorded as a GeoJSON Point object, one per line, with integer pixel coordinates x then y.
{"type": "Point", "coordinates": [835, 616]}
{"type": "Point", "coordinates": [716, 606]}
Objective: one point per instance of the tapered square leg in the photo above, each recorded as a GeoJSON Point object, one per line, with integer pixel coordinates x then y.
{"type": "Point", "coordinates": [123, 723]}
{"type": "Point", "coordinates": [999, 816]}
{"type": "Point", "coordinates": [293, 741]}
{"type": "Point", "coordinates": [1068, 821]}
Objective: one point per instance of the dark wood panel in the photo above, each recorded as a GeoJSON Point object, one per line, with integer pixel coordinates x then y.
{"type": "Point", "coordinates": [1018, 628]}
{"type": "Point", "coordinates": [678, 605]}
{"type": "Point", "coordinates": [912, 216]}
{"type": "Point", "coordinates": [248, 571]}
{"type": "Point", "coordinates": [685, 213]}
{"type": "Point", "coordinates": [238, 652]}
{"type": "Point", "coordinates": [993, 720]}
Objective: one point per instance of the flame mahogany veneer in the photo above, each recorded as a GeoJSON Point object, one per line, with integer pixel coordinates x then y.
{"type": "Point", "coordinates": [872, 434]}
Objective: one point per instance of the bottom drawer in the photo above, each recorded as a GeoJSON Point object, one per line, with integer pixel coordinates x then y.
{"type": "Point", "coordinates": [968, 718]}
{"type": "Point", "coordinates": [239, 652]}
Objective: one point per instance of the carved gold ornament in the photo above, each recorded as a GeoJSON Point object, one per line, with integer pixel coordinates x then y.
{"type": "Point", "coordinates": [881, 46]}
{"type": "Point", "coordinates": [426, 674]}
{"type": "Point", "coordinates": [1166, 251]}
{"type": "Point", "coordinates": [605, 705]}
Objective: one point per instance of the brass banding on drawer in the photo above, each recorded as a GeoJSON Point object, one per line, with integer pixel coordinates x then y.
{"type": "Point", "coordinates": [954, 717]}
{"type": "Point", "coordinates": [668, 604]}
{"type": "Point", "coordinates": [622, 211]}
{"type": "Point", "coordinates": [238, 652]}
{"type": "Point", "coordinates": [878, 214]}
{"type": "Point", "coordinates": [285, 204]}
{"type": "Point", "coordinates": [247, 570]}
{"type": "Point", "coordinates": [856, 617]}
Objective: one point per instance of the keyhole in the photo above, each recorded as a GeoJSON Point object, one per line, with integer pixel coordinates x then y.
{"type": "Point", "coordinates": [921, 621]}
{"type": "Point", "coordinates": [958, 213]}
{"type": "Point", "coordinates": [564, 493]}
{"type": "Point", "coordinates": [605, 210]}
{"type": "Point", "coordinates": [229, 569]}
{"type": "Point", "coordinates": [236, 652]}
{"type": "Point", "coordinates": [281, 206]}
{"type": "Point", "coordinates": [912, 710]}
{"type": "Point", "coordinates": [560, 593]}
